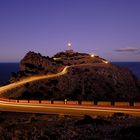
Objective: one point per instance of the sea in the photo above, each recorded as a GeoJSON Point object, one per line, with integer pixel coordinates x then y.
{"type": "Point", "coordinates": [5, 71]}
{"type": "Point", "coordinates": [7, 68]}
{"type": "Point", "coordinates": [133, 66]}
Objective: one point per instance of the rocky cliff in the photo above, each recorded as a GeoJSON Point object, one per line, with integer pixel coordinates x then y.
{"type": "Point", "coordinates": [35, 63]}
{"type": "Point", "coordinates": [88, 78]}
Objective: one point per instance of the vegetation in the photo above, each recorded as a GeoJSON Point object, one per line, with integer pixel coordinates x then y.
{"type": "Point", "coordinates": [25, 126]}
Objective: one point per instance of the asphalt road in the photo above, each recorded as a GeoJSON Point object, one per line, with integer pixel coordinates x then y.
{"type": "Point", "coordinates": [65, 109]}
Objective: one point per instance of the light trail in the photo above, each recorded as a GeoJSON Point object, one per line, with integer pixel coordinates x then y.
{"type": "Point", "coordinates": [40, 77]}
{"type": "Point", "coordinates": [56, 108]}
{"type": "Point", "coordinates": [31, 79]}
{"type": "Point", "coordinates": [65, 109]}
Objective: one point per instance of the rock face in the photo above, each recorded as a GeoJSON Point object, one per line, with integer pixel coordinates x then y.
{"type": "Point", "coordinates": [35, 63]}
{"type": "Point", "coordinates": [87, 79]}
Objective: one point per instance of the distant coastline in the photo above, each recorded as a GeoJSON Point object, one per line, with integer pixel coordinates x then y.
{"type": "Point", "coordinates": [7, 67]}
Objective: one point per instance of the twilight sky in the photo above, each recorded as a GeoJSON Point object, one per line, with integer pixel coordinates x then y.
{"type": "Point", "coordinates": [109, 28]}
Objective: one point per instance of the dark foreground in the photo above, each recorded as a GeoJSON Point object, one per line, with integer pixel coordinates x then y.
{"type": "Point", "coordinates": [23, 126]}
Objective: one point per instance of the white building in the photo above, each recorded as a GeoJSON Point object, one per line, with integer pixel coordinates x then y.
{"type": "Point", "coordinates": [69, 50]}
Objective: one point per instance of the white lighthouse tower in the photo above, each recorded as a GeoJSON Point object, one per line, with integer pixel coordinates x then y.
{"type": "Point", "coordinates": [69, 49]}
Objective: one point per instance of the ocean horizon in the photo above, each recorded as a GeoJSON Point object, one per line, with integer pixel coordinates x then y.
{"type": "Point", "coordinates": [6, 68]}
{"type": "Point", "coordinates": [133, 66]}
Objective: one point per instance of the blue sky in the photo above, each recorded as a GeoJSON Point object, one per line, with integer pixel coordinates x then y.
{"type": "Point", "coordinates": [109, 28]}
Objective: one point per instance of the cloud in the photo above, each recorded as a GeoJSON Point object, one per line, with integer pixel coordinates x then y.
{"type": "Point", "coordinates": [138, 52]}
{"type": "Point", "coordinates": [128, 49]}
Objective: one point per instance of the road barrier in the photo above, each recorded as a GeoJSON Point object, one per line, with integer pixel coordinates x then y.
{"type": "Point", "coordinates": [35, 101]}
{"type": "Point", "coordinates": [72, 102]}
{"type": "Point", "coordinates": [119, 104]}
{"type": "Point", "coordinates": [23, 101]}
{"type": "Point", "coordinates": [136, 104]}
{"type": "Point", "coordinates": [86, 103]}
{"type": "Point", "coordinates": [104, 103]}
{"type": "Point", "coordinates": [58, 102]}
{"type": "Point", "coordinates": [45, 102]}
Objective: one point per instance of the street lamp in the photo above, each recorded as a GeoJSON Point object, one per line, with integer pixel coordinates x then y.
{"type": "Point", "coordinates": [106, 62]}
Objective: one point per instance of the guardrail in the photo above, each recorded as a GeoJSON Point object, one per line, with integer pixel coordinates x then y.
{"type": "Point", "coordinates": [88, 103]}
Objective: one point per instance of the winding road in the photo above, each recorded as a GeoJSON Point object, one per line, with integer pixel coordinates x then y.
{"type": "Point", "coordinates": [59, 108]}
{"type": "Point", "coordinates": [31, 79]}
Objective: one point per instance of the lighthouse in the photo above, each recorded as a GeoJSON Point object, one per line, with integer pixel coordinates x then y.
{"type": "Point", "coordinates": [69, 48]}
